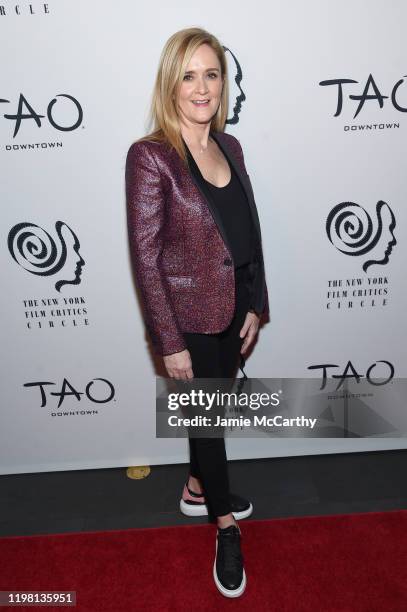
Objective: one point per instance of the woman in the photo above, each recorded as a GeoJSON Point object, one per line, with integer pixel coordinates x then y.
{"type": "Point", "coordinates": [196, 247]}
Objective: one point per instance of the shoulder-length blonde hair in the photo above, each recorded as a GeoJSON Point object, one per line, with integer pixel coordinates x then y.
{"type": "Point", "coordinates": [175, 56]}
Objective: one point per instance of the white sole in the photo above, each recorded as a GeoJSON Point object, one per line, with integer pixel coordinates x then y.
{"type": "Point", "coordinates": [226, 592]}
{"type": "Point", "coordinates": [202, 510]}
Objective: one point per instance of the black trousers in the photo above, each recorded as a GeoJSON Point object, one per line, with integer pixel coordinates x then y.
{"type": "Point", "coordinates": [217, 356]}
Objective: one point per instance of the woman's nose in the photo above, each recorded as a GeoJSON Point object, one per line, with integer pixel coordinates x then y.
{"type": "Point", "coordinates": [202, 86]}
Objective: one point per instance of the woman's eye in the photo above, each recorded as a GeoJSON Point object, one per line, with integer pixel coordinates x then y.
{"type": "Point", "coordinates": [212, 75]}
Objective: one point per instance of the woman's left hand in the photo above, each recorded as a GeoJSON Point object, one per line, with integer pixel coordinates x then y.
{"type": "Point", "coordinates": [249, 330]}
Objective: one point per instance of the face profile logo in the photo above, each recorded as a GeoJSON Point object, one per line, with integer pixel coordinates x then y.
{"type": "Point", "coordinates": [38, 253]}
{"type": "Point", "coordinates": [353, 232]}
{"type": "Point", "coordinates": [236, 93]}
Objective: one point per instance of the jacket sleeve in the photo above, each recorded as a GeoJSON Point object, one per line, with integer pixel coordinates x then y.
{"type": "Point", "coordinates": [266, 309]}
{"type": "Point", "coordinates": [145, 220]}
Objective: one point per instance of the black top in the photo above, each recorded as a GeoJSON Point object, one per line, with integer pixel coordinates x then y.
{"type": "Point", "coordinates": [233, 208]}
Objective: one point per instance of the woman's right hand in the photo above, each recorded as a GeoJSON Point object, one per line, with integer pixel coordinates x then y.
{"type": "Point", "coordinates": [179, 365]}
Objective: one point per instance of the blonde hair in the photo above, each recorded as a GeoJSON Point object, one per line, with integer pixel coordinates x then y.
{"type": "Point", "coordinates": [174, 59]}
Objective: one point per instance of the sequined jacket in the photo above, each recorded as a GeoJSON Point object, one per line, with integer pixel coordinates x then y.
{"type": "Point", "coordinates": [179, 248]}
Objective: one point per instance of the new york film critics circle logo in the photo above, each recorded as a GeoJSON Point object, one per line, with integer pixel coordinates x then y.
{"type": "Point", "coordinates": [29, 10]}
{"type": "Point", "coordinates": [369, 238]}
{"type": "Point", "coordinates": [38, 253]}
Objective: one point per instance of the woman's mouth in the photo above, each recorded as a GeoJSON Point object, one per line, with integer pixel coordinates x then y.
{"type": "Point", "coordinates": [200, 102]}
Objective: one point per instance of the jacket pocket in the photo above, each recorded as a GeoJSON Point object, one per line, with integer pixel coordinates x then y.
{"type": "Point", "coordinates": [181, 282]}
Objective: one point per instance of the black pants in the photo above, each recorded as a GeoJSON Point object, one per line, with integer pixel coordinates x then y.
{"type": "Point", "coordinates": [217, 356]}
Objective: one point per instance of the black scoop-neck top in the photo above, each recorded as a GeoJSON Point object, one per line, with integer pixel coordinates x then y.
{"type": "Point", "coordinates": [233, 207]}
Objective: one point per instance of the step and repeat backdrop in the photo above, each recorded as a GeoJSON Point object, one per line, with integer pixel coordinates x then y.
{"type": "Point", "coordinates": [318, 102]}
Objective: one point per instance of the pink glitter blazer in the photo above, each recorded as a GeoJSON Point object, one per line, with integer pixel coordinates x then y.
{"type": "Point", "coordinates": [181, 258]}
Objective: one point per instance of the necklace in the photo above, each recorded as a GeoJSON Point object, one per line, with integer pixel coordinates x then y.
{"type": "Point", "coordinates": [202, 149]}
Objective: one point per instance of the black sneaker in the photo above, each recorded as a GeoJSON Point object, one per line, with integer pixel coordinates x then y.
{"type": "Point", "coordinates": [228, 570]}
{"type": "Point", "coordinates": [194, 504]}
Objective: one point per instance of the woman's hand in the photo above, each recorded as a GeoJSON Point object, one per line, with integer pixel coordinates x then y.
{"type": "Point", "coordinates": [179, 365]}
{"type": "Point", "coordinates": [249, 330]}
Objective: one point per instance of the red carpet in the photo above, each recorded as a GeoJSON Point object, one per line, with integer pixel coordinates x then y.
{"type": "Point", "coordinates": [341, 563]}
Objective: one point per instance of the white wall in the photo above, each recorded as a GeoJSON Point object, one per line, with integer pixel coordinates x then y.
{"type": "Point", "coordinates": [303, 161]}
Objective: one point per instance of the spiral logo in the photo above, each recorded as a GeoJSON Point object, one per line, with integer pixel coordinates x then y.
{"type": "Point", "coordinates": [39, 253]}
{"type": "Point", "coordinates": [353, 232]}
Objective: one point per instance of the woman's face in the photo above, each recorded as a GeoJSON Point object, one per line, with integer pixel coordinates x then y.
{"type": "Point", "coordinates": [202, 81]}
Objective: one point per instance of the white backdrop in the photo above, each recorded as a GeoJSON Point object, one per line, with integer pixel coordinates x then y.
{"type": "Point", "coordinates": [76, 83]}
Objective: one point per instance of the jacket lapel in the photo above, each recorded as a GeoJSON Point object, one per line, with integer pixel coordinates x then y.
{"type": "Point", "coordinates": [205, 192]}
{"type": "Point", "coordinates": [259, 290]}
{"type": "Point", "coordinates": [244, 179]}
